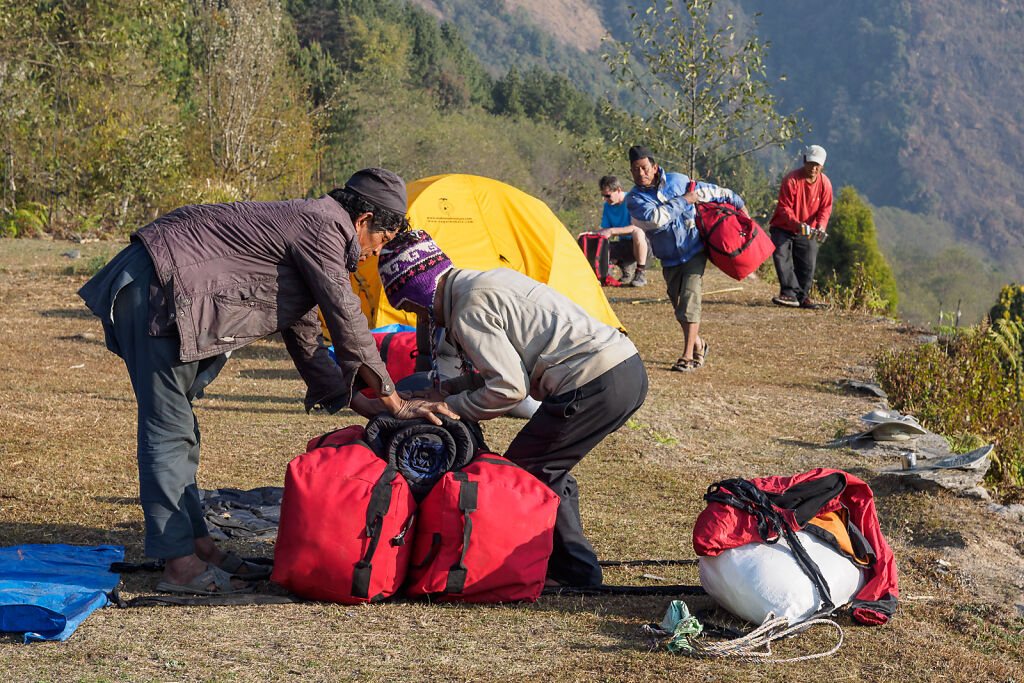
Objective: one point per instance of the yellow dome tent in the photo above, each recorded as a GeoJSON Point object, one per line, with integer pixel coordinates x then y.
{"type": "Point", "coordinates": [482, 224]}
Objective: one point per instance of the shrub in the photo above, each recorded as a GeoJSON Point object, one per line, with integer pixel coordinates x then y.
{"type": "Point", "coordinates": [851, 260]}
{"type": "Point", "coordinates": [962, 385]}
{"type": "Point", "coordinates": [27, 220]}
{"type": "Point", "coordinates": [858, 292]}
{"type": "Point", "coordinates": [1010, 305]}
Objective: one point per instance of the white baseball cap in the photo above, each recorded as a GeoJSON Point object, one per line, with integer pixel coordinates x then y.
{"type": "Point", "coordinates": [815, 154]}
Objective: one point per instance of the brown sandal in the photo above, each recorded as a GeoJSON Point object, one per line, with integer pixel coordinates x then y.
{"type": "Point", "coordinates": [699, 358]}
{"type": "Point", "coordinates": [684, 365]}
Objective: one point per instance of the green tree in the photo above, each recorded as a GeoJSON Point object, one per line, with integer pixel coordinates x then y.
{"type": "Point", "coordinates": [851, 251]}
{"type": "Point", "coordinates": [707, 92]}
{"type": "Point", "coordinates": [252, 128]}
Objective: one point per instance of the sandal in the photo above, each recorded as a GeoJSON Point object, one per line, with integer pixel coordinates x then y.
{"type": "Point", "coordinates": [220, 579]}
{"type": "Point", "coordinates": [684, 365]}
{"type": "Point", "coordinates": [233, 565]}
{"type": "Point", "coordinates": [699, 358]}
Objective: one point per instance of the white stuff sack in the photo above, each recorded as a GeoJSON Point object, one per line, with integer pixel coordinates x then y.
{"type": "Point", "coordinates": [757, 578]}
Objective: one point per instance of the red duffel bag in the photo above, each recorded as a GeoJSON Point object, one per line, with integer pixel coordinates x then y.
{"type": "Point", "coordinates": [734, 242]}
{"type": "Point", "coordinates": [345, 518]}
{"type": "Point", "coordinates": [484, 534]}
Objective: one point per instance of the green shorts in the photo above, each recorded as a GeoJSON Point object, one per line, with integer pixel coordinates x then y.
{"type": "Point", "coordinates": [685, 286]}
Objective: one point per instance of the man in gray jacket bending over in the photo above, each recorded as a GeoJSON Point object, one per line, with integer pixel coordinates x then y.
{"type": "Point", "coordinates": [524, 338]}
{"type": "Point", "coordinates": [204, 280]}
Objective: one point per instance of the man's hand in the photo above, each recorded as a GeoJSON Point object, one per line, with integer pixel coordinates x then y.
{"type": "Point", "coordinates": [691, 197]}
{"type": "Point", "coordinates": [423, 408]}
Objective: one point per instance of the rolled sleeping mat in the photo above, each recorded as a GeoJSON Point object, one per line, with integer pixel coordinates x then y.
{"type": "Point", "coordinates": [421, 451]}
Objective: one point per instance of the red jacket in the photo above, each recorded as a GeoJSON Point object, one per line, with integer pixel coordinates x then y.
{"type": "Point", "coordinates": [800, 202]}
{"type": "Point", "coordinates": [800, 499]}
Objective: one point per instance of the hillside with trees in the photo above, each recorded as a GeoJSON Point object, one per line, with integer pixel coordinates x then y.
{"type": "Point", "coordinates": [915, 102]}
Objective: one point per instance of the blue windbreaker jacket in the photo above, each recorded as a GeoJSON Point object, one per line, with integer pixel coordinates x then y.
{"type": "Point", "coordinates": [668, 219]}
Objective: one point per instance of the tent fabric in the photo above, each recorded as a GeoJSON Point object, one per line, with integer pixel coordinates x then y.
{"type": "Point", "coordinates": [483, 224]}
{"type": "Point", "coordinates": [46, 591]}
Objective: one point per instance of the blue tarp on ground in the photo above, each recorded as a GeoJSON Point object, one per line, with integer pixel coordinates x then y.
{"type": "Point", "coordinates": [46, 591]}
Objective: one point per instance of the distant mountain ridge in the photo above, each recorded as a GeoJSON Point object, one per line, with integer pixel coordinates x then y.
{"type": "Point", "coordinates": [917, 102]}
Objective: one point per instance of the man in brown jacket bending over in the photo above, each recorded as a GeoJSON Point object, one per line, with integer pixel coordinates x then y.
{"type": "Point", "coordinates": [204, 280]}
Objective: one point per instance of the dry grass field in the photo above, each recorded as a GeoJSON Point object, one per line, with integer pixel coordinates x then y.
{"type": "Point", "coordinates": [770, 397]}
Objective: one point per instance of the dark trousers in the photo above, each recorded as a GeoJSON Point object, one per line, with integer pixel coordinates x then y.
{"type": "Point", "coordinates": [168, 433]}
{"type": "Point", "coordinates": [795, 257]}
{"type": "Point", "coordinates": [563, 430]}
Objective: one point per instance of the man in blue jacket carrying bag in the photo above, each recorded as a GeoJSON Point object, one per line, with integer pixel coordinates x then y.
{"type": "Point", "coordinates": [662, 206]}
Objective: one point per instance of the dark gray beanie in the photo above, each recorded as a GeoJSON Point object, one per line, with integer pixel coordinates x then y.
{"type": "Point", "coordinates": [637, 152]}
{"type": "Point", "coordinates": [380, 186]}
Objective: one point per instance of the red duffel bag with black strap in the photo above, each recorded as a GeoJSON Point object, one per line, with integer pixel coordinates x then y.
{"type": "Point", "coordinates": [484, 534]}
{"type": "Point", "coordinates": [734, 242]}
{"type": "Point", "coordinates": [346, 515]}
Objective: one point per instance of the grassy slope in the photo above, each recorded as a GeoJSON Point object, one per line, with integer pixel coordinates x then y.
{"type": "Point", "coordinates": [767, 401]}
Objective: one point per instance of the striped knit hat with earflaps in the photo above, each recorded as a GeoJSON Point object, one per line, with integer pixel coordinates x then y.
{"type": "Point", "coordinates": [410, 266]}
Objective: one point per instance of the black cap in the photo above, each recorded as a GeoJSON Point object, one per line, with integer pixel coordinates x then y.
{"type": "Point", "coordinates": [382, 187]}
{"type": "Point", "coordinates": [637, 152]}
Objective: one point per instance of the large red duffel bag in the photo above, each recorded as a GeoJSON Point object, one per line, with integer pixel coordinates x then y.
{"type": "Point", "coordinates": [484, 534]}
{"type": "Point", "coordinates": [345, 518]}
{"type": "Point", "coordinates": [734, 242]}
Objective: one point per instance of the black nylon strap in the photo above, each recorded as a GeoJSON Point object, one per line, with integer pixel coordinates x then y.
{"type": "Point", "coordinates": [385, 344]}
{"type": "Point", "coordinates": [380, 502]}
{"type": "Point", "coordinates": [467, 504]}
{"type": "Point", "coordinates": [624, 590]}
{"type": "Point", "coordinates": [495, 461]}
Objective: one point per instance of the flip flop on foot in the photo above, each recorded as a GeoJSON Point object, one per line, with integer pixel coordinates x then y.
{"type": "Point", "coordinates": [215, 576]}
{"type": "Point", "coordinates": [243, 569]}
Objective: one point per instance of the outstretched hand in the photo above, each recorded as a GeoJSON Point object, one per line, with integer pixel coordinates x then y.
{"type": "Point", "coordinates": [423, 408]}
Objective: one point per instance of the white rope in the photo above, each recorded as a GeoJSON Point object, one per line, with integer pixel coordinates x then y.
{"type": "Point", "coordinates": [746, 648]}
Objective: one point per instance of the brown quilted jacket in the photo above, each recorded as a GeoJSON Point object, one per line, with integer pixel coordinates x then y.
{"type": "Point", "coordinates": [234, 273]}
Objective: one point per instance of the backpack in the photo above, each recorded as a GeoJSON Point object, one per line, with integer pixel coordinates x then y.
{"type": "Point", "coordinates": [484, 534]}
{"type": "Point", "coordinates": [345, 517]}
{"type": "Point", "coordinates": [733, 241]}
{"type": "Point", "coordinates": [597, 250]}
{"type": "Point", "coordinates": [835, 507]}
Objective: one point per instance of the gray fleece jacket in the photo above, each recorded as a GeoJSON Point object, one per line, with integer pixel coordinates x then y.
{"type": "Point", "coordinates": [524, 338]}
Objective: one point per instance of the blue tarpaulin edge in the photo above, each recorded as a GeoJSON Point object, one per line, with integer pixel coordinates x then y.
{"type": "Point", "coordinates": [47, 591]}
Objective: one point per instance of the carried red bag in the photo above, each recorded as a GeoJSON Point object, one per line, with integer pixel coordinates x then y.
{"type": "Point", "coordinates": [345, 519]}
{"type": "Point", "coordinates": [734, 242]}
{"type": "Point", "coordinates": [484, 534]}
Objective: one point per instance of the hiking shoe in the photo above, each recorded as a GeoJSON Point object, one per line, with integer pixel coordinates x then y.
{"type": "Point", "coordinates": [639, 280]}
{"type": "Point", "coordinates": [785, 300]}
{"type": "Point", "coordinates": [628, 271]}
{"type": "Point", "coordinates": [811, 305]}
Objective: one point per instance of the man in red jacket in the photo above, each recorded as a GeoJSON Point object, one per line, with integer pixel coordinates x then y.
{"type": "Point", "coordinates": [798, 228]}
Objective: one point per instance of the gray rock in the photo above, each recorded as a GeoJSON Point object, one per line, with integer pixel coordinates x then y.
{"type": "Point", "coordinates": [957, 481]}
{"type": "Point", "coordinates": [928, 446]}
{"type": "Point", "coordinates": [1015, 511]}
{"type": "Point", "coordinates": [977, 493]}
{"type": "Point", "coordinates": [867, 387]}
{"type": "Point", "coordinates": [74, 253]}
